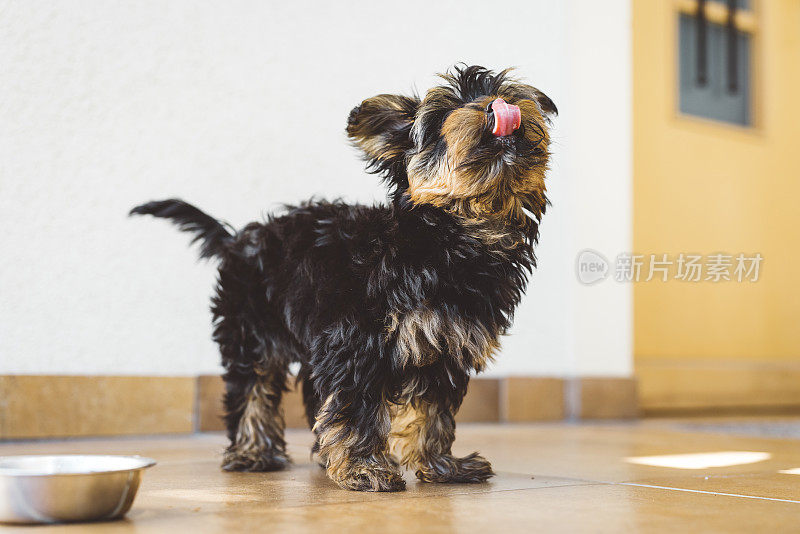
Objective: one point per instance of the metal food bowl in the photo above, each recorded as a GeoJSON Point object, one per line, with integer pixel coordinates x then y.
{"type": "Point", "coordinates": [70, 487]}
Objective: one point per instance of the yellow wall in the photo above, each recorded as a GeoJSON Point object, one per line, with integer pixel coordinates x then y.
{"type": "Point", "coordinates": [705, 187]}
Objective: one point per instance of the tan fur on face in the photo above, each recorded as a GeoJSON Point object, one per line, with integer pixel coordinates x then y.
{"type": "Point", "coordinates": [491, 192]}
{"type": "Point", "coordinates": [422, 335]}
{"type": "Point", "coordinates": [459, 132]}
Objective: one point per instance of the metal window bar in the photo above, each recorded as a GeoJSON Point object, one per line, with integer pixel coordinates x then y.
{"type": "Point", "coordinates": [702, 55]}
{"type": "Point", "coordinates": [733, 78]}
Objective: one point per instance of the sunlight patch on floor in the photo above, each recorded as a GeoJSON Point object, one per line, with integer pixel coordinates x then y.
{"type": "Point", "coordinates": [702, 460]}
{"type": "Point", "coordinates": [794, 471]}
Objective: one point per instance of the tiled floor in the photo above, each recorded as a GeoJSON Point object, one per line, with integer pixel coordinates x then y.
{"type": "Point", "coordinates": [551, 478]}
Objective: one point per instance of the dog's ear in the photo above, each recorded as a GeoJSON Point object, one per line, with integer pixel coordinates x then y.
{"type": "Point", "coordinates": [546, 106]}
{"type": "Point", "coordinates": [381, 127]}
{"type": "Point", "coordinates": [549, 109]}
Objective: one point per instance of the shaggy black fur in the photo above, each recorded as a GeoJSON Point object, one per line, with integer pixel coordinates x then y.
{"type": "Point", "coordinates": [382, 306]}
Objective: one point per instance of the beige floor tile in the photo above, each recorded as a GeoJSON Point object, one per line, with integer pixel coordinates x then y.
{"type": "Point", "coordinates": [585, 508]}
{"type": "Point", "coordinates": [598, 451]}
{"type": "Point", "coordinates": [769, 485]}
{"type": "Point", "coordinates": [551, 477]}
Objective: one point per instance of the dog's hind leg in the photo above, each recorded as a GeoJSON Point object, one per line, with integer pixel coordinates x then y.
{"type": "Point", "coordinates": [256, 360]}
{"type": "Point", "coordinates": [254, 420]}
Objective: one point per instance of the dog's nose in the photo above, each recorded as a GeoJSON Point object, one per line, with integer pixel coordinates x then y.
{"type": "Point", "coordinates": [507, 117]}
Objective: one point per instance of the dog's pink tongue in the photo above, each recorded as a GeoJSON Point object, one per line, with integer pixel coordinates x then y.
{"type": "Point", "coordinates": [507, 117]}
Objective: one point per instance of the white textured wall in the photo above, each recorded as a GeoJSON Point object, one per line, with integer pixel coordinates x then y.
{"type": "Point", "coordinates": [599, 170]}
{"type": "Point", "coordinates": [237, 107]}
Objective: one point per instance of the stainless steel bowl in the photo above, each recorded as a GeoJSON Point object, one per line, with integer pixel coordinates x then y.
{"type": "Point", "coordinates": [70, 487]}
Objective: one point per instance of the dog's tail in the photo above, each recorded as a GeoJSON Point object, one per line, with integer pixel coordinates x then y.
{"type": "Point", "coordinates": [206, 228]}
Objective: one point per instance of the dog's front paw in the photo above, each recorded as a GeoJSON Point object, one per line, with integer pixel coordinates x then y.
{"type": "Point", "coordinates": [369, 475]}
{"type": "Point", "coordinates": [255, 461]}
{"type": "Point", "coordinates": [448, 468]}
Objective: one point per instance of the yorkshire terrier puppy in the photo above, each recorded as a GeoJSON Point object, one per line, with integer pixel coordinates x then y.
{"type": "Point", "coordinates": [389, 308]}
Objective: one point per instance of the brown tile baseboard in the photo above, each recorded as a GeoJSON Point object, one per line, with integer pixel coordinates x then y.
{"type": "Point", "coordinates": [672, 386]}
{"type": "Point", "coordinates": [208, 408]}
{"type": "Point", "coordinates": [482, 402]}
{"type": "Point", "coordinates": [66, 406]}
{"type": "Point", "coordinates": [601, 398]}
{"type": "Point", "coordinates": [532, 399]}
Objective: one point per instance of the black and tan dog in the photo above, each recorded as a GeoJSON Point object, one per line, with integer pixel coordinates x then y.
{"type": "Point", "coordinates": [388, 309]}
